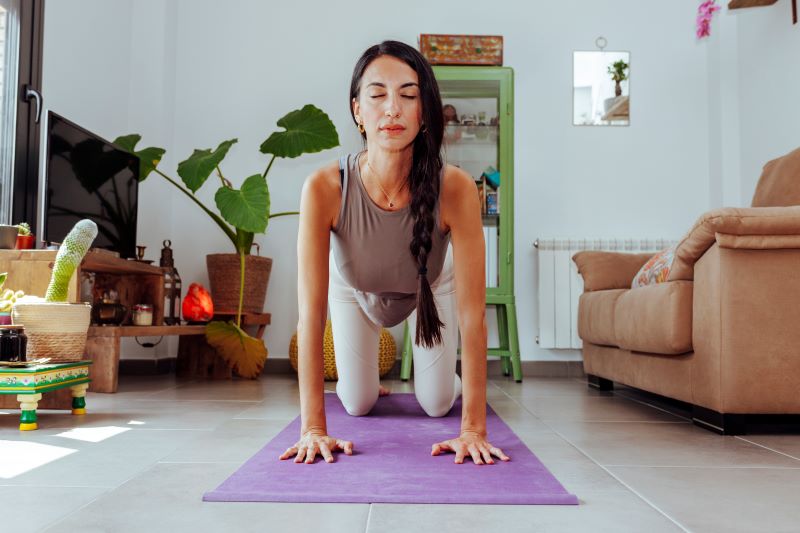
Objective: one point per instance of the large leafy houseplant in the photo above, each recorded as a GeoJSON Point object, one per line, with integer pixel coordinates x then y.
{"type": "Point", "coordinates": [243, 212]}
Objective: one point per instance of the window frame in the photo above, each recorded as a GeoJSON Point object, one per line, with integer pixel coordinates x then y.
{"type": "Point", "coordinates": [25, 187]}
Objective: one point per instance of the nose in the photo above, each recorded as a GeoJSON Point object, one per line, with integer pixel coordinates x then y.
{"type": "Point", "coordinates": [392, 107]}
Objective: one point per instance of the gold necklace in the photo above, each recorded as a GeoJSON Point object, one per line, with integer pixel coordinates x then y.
{"type": "Point", "coordinates": [390, 199]}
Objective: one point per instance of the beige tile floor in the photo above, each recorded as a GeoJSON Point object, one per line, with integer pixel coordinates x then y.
{"type": "Point", "coordinates": [159, 443]}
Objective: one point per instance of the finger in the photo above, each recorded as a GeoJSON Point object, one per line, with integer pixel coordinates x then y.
{"type": "Point", "coordinates": [312, 452]}
{"type": "Point", "coordinates": [460, 455]}
{"type": "Point", "coordinates": [499, 453]}
{"type": "Point", "coordinates": [325, 451]}
{"type": "Point", "coordinates": [440, 447]}
{"type": "Point", "coordinates": [289, 452]}
{"type": "Point", "coordinates": [346, 446]}
{"type": "Point", "coordinates": [487, 455]}
{"type": "Point", "coordinates": [301, 451]}
{"type": "Point", "coordinates": [476, 454]}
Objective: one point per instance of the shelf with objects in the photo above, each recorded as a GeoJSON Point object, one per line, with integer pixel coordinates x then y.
{"type": "Point", "coordinates": [478, 106]}
{"type": "Point", "coordinates": [114, 286]}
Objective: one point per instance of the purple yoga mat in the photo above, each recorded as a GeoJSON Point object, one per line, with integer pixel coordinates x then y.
{"type": "Point", "coordinates": [392, 463]}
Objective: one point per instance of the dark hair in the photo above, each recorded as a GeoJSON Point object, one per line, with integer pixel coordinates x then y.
{"type": "Point", "coordinates": [426, 168]}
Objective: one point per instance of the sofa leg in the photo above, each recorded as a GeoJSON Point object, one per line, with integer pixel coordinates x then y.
{"type": "Point", "coordinates": [722, 424]}
{"type": "Point", "coordinates": [596, 382]}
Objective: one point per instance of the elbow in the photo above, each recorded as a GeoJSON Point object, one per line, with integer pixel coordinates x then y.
{"type": "Point", "coordinates": [474, 324]}
{"type": "Point", "coordinates": [311, 320]}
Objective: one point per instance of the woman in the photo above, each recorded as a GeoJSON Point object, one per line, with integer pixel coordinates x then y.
{"type": "Point", "coordinates": [376, 225]}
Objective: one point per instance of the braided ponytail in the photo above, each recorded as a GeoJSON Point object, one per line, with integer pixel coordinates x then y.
{"type": "Point", "coordinates": [426, 169]}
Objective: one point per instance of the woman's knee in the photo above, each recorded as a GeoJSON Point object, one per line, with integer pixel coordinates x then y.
{"type": "Point", "coordinates": [357, 403]}
{"type": "Point", "coordinates": [436, 405]}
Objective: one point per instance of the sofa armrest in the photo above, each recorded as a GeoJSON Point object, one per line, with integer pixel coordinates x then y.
{"type": "Point", "coordinates": [608, 270]}
{"type": "Point", "coordinates": [755, 225]}
{"type": "Point", "coordinates": [744, 330]}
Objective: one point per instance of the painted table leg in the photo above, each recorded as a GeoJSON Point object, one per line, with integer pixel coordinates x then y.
{"type": "Point", "coordinates": [502, 333]}
{"type": "Point", "coordinates": [516, 364]}
{"type": "Point", "coordinates": [79, 398]}
{"type": "Point", "coordinates": [407, 356]}
{"type": "Point", "coordinates": [28, 404]}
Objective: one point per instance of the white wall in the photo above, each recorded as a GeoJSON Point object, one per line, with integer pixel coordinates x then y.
{"type": "Point", "coordinates": [769, 89]}
{"type": "Point", "coordinates": [188, 74]}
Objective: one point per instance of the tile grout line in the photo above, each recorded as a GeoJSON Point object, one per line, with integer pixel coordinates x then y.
{"type": "Point", "coordinates": [630, 488]}
{"type": "Point", "coordinates": [768, 448]}
{"type": "Point", "coordinates": [369, 515]}
{"type": "Point", "coordinates": [710, 467]}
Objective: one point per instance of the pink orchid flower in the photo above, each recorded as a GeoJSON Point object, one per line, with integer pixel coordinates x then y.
{"type": "Point", "coordinates": [704, 13]}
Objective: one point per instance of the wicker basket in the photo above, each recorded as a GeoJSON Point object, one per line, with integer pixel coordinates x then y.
{"type": "Point", "coordinates": [387, 353]}
{"type": "Point", "coordinates": [224, 277]}
{"type": "Point", "coordinates": [54, 329]}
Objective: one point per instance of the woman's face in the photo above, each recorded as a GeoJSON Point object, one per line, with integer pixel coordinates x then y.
{"type": "Point", "coordinates": [389, 103]}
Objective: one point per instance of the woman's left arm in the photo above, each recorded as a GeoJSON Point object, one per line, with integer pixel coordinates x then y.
{"type": "Point", "coordinates": [463, 215]}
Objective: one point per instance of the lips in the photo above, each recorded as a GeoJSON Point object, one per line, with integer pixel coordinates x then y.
{"type": "Point", "coordinates": [393, 128]}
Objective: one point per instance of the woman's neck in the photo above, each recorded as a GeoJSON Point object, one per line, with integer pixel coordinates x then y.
{"type": "Point", "coordinates": [390, 167]}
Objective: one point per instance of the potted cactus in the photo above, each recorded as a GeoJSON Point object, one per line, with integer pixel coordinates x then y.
{"type": "Point", "coordinates": [25, 239]}
{"type": "Point", "coordinates": [55, 328]}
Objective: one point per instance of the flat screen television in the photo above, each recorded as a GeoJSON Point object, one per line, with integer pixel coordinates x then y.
{"type": "Point", "coordinates": [87, 176]}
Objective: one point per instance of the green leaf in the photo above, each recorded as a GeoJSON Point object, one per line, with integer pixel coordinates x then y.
{"type": "Point", "coordinates": [199, 166]}
{"type": "Point", "coordinates": [248, 208]}
{"type": "Point", "coordinates": [149, 158]}
{"type": "Point", "coordinates": [242, 352]}
{"type": "Point", "coordinates": [3, 277]}
{"type": "Point", "coordinates": [308, 130]}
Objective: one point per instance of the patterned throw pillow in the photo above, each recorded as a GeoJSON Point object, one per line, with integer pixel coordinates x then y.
{"type": "Point", "coordinates": [656, 269]}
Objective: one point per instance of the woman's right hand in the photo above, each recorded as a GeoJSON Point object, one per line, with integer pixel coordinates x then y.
{"type": "Point", "coordinates": [312, 443]}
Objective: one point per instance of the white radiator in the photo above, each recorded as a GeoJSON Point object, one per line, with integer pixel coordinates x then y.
{"type": "Point", "coordinates": [560, 285]}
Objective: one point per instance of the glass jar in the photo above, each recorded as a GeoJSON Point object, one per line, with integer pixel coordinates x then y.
{"type": "Point", "coordinates": [142, 315]}
{"type": "Point", "coordinates": [13, 343]}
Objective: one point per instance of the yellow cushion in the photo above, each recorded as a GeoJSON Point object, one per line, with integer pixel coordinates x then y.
{"type": "Point", "coordinates": [387, 353]}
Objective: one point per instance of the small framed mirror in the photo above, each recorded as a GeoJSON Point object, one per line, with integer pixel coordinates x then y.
{"type": "Point", "coordinates": [600, 88]}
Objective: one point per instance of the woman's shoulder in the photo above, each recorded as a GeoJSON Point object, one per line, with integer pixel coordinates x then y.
{"type": "Point", "coordinates": [458, 190]}
{"type": "Point", "coordinates": [456, 182]}
{"type": "Point", "coordinates": [322, 192]}
{"type": "Point", "coordinates": [325, 180]}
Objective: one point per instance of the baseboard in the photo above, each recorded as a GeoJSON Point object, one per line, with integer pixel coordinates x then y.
{"type": "Point", "coordinates": [281, 365]}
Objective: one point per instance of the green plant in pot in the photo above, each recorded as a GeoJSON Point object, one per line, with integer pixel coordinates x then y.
{"type": "Point", "coordinates": [618, 75]}
{"type": "Point", "coordinates": [243, 213]}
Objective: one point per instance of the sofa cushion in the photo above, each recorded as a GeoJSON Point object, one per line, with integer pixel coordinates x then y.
{"type": "Point", "coordinates": [730, 221]}
{"type": "Point", "coordinates": [607, 270]}
{"type": "Point", "coordinates": [596, 316]}
{"type": "Point", "coordinates": [656, 318]}
{"type": "Point", "coordinates": [780, 182]}
{"type": "Point", "coordinates": [656, 270]}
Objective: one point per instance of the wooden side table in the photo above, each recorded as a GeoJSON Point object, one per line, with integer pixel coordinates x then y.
{"type": "Point", "coordinates": [28, 383]}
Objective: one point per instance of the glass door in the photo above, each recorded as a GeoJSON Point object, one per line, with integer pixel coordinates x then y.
{"type": "Point", "coordinates": [472, 112]}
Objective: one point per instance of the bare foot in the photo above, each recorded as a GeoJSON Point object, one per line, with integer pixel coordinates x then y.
{"type": "Point", "coordinates": [382, 391]}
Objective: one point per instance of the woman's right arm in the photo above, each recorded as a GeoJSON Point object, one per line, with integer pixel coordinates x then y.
{"type": "Point", "coordinates": [318, 209]}
{"type": "Point", "coordinates": [313, 244]}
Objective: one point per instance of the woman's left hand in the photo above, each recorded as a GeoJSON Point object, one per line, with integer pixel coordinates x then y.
{"type": "Point", "coordinates": [473, 443]}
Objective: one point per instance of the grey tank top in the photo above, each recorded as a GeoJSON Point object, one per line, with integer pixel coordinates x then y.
{"type": "Point", "coordinates": [371, 250]}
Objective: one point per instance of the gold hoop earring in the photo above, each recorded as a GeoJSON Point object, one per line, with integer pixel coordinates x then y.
{"type": "Point", "coordinates": [361, 127]}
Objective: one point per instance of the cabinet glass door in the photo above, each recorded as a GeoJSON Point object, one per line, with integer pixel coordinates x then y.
{"type": "Point", "coordinates": [472, 115]}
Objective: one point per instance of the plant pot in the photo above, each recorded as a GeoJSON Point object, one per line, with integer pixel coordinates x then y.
{"type": "Point", "coordinates": [224, 278]}
{"type": "Point", "coordinates": [55, 329]}
{"type": "Point", "coordinates": [26, 242]}
{"type": "Point", "coordinates": [8, 236]}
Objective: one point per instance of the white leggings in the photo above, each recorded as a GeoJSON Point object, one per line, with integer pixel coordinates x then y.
{"type": "Point", "coordinates": [356, 339]}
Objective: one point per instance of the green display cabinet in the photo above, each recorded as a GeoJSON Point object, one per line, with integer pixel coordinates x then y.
{"type": "Point", "coordinates": [479, 137]}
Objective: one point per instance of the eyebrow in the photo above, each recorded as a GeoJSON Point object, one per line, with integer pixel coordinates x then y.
{"type": "Point", "coordinates": [407, 84]}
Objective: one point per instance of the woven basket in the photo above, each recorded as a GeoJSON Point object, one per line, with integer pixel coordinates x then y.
{"type": "Point", "coordinates": [387, 353]}
{"type": "Point", "coordinates": [54, 329]}
{"type": "Point", "coordinates": [224, 278]}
